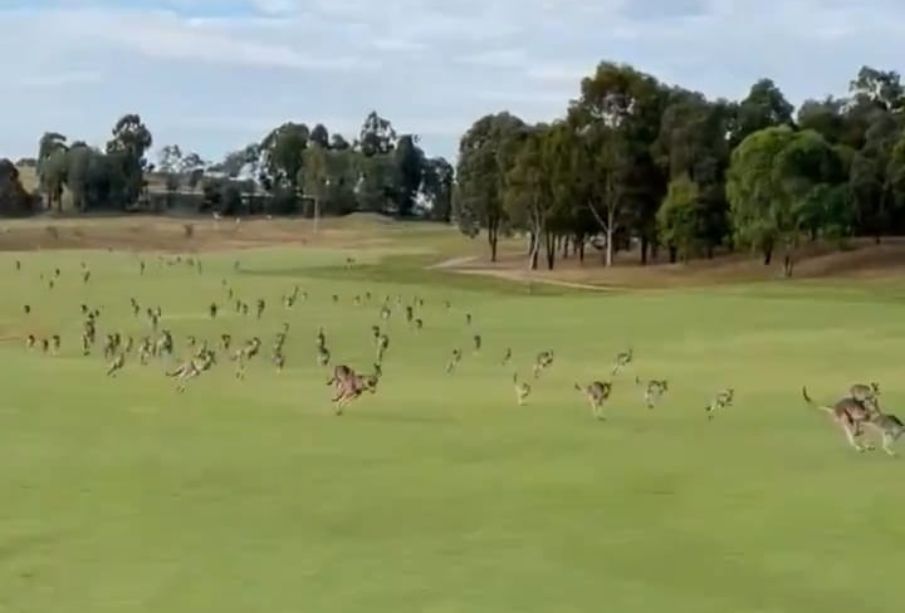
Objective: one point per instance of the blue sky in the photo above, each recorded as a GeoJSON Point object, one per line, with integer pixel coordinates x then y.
{"type": "Point", "coordinates": [214, 75]}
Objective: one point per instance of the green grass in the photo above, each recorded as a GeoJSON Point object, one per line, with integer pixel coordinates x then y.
{"type": "Point", "coordinates": [440, 494]}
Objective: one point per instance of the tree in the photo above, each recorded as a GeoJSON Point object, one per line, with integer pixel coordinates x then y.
{"type": "Point", "coordinates": [376, 182]}
{"type": "Point", "coordinates": [14, 200]}
{"type": "Point", "coordinates": [315, 178]}
{"type": "Point", "coordinates": [693, 143]}
{"type": "Point", "coordinates": [377, 136]}
{"type": "Point", "coordinates": [779, 182]}
{"type": "Point", "coordinates": [622, 108]}
{"type": "Point", "coordinates": [131, 140]}
{"type": "Point", "coordinates": [51, 167]}
{"type": "Point", "coordinates": [869, 175]}
{"type": "Point", "coordinates": [243, 161]}
{"type": "Point", "coordinates": [682, 218]}
{"type": "Point", "coordinates": [437, 188]}
{"type": "Point", "coordinates": [409, 163]}
{"type": "Point", "coordinates": [754, 194]}
{"type": "Point", "coordinates": [609, 164]}
{"type": "Point", "coordinates": [170, 162]}
{"type": "Point", "coordinates": [282, 157]}
{"type": "Point", "coordinates": [338, 143]}
{"type": "Point", "coordinates": [170, 159]}
{"type": "Point", "coordinates": [765, 107]}
{"type": "Point", "coordinates": [880, 89]}
{"type": "Point", "coordinates": [319, 136]}
{"type": "Point", "coordinates": [192, 168]}
{"type": "Point", "coordinates": [827, 117]}
{"type": "Point", "coordinates": [486, 154]}
{"type": "Point", "coordinates": [526, 195]}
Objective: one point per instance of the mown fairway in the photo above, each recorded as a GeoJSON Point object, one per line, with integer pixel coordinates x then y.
{"type": "Point", "coordinates": [439, 493]}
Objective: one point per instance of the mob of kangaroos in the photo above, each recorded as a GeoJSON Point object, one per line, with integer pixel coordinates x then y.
{"type": "Point", "coordinates": [155, 341]}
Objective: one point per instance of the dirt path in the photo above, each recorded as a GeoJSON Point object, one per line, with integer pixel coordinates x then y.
{"type": "Point", "coordinates": [456, 264]}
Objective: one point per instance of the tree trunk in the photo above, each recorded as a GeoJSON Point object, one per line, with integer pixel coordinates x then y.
{"type": "Point", "coordinates": [551, 250]}
{"type": "Point", "coordinates": [878, 237]}
{"type": "Point", "coordinates": [610, 234]}
{"type": "Point", "coordinates": [531, 240]}
{"type": "Point", "coordinates": [787, 265]}
{"type": "Point", "coordinates": [655, 251]}
{"type": "Point", "coordinates": [673, 254]}
{"type": "Point", "coordinates": [709, 252]}
{"type": "Point", "coordinates": [768, 256]}
{"type": "Point", "coordinates": [645, 245]}
{"type": "Point", "coordinates": [535, 249]}
{"type": "Point", "coordinates": [492, 238]}
{"type": "Point", "coordinates": [580, 241]}
{"type": "Point", "coordinates": [565, 246]}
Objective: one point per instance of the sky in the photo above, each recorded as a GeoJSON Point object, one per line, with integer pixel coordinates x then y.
{"type": "Point", "coordinates": [215, 75]}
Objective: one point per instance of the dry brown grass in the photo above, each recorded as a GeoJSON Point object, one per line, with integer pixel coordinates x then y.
{"type": "Point", "coordinates": [861, 259]}
{"type": "Point", "coordinates": [148, 233]}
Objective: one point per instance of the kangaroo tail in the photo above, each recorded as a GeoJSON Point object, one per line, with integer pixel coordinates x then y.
{"type": "Point", "coordinates": [811, 403]}
{"type": "Point", "coordinates": [578, 387]}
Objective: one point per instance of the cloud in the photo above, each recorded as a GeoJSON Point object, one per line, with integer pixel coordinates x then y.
{"type": "Point", "coordinates": [62, 79]}
{"type": "Point", "coordinates": [214, 75]}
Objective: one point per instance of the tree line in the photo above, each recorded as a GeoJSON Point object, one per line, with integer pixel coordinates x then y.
{"type": "Point", "coordinates": [293, 169]}
{"type": "Point", "coordinates": [636, 163]}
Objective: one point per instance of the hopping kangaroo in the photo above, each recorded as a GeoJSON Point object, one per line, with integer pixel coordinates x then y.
{"type": "Point", "coordinates": [597, 393]}
{"type": "Point", "coordinates": [654, 391]}
{"type": "Point", "coordinates": [868, 395]}
{"type": "Point", "coordinates": [350, 386]}
{"type": "Point", "coordinates": [522, 390]}
{"type": "Point", "coordinates": [721, 401]}
{"type": "Point", "coordinates": [851, 415]}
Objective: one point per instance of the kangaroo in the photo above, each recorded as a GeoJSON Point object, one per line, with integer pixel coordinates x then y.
{"type": "Point", "coordinates": [543, 361]}
{"type": "Point", "coordinates": [323, 356]}
{"type": "Point", "coordinates": [350, 386]}
{"type": "Point", "coordinates": [596, 393]}
{"type": "Point", "coordinates": [383, 343]}
{"type": "Point", "coordinates": [654, 391]}
{"type": "Point", "coordinates": [522, 390]}
{"type": "Point", "coordinates": [145, 350]}
{"type": "Point", "coordinates": [192, 369]}
{"type": "Point", "coordinates": [622, 361]}
{"type": "Point", "coordinates": [453, 361]}
{"type": "Point", "coordinates": [868, 395]}
{"type": "Point", "coordinates": [279, 360]}
{"type": "Point", "coordinates": [890, 429]}
{"type": "Point", "coordinates": [116, 365]}
{"type": "Point", "coordinates": [722, 400]}
{"type": "Point", "coordinates": [848, 413]}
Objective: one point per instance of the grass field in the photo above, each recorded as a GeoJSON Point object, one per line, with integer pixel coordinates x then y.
{"type": "Point", "coordinates": [440, 494]}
